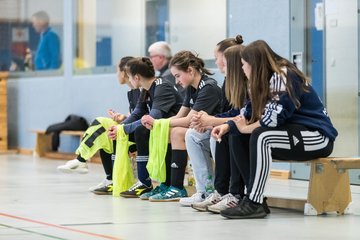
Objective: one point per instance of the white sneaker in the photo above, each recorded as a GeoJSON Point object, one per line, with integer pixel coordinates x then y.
{"type": "Point", "coordinates": [212, 199]}
{"type": "Point", "coordinates": [102, 184]}
{"type": "Point", "coordinates": [227, 201]}
{"type": "Point", "coordinates": [195, 198]}
{"type": "Point", "coordinates": [74, 166]}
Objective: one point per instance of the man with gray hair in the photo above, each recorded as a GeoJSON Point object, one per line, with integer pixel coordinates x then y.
{"type": "Point", "coordinates": [160, 56]}
{"type": "Point", "coordinates": [48, 50]}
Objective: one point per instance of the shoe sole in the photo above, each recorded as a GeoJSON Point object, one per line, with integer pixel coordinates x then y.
{"type": "Point", "coordinates": [164, 200]}
{"type": "Point", "coordinates": [187, 204]}
{"type": "Point", "coordinates": [199, 208]}
{"type": "Point", "coordinates": [258, 215]}
{"type": "Point", "coordinates": [129, 196]}
{"type": "Point", "coordinates": [102, 193]}
{"type": "Point", "coordinates": [213, 211]}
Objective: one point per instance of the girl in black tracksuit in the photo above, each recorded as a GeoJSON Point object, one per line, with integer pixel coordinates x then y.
{"type": "Point", "coordinates": [284, 119]}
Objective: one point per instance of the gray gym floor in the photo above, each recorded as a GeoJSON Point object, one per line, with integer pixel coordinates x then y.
{"type": "Point", "coordinates": [37, 202]}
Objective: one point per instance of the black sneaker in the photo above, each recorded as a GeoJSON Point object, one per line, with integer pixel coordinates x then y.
{"type": "Point", "coordinates": [105, 190]}
{"type": "Point", "coordinates": [265, 206]}
{"type": "Point", "coordinates": [136, 190]}
{"type": "Point", "coordinates": [246, 209]}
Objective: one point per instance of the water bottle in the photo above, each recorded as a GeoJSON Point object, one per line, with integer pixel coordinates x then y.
{"type": "Point", "coordinates": [190, 178]}
{"type": "Point", "coordinates": [209, 186]}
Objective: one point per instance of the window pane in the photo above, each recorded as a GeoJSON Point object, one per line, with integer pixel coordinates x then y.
{"type": "Point", "coordinates": [31, 34]}
{"type": "Point", "coordinates": [197, 25]}
{"type": "Point", "coordinates": [106, 30]}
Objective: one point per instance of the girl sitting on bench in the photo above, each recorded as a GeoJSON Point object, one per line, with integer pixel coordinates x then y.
{"type": "Point", "coordinates": [284, 119]}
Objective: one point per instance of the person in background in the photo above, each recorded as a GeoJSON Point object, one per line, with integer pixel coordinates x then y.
{"type": "Point", "coordinates": [160, 56]}
{"type": "Point", "coordinates": [48, 54]}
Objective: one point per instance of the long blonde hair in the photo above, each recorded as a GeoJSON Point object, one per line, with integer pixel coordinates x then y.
{"type": "Point", "coordinates": [236, 82]}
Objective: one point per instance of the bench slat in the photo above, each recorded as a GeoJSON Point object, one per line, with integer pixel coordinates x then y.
{"type": "Point", "coordinates": [66, 132]}
{"type": "Point", "coordinates": [342, 162]}
{"type": "Point", "coordinates": [73, 133]}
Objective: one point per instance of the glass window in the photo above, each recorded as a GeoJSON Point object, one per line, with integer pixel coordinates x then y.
{"type": "Point", "coordinates": [31, 34]}
{"type": "Point", "coordinates": [197, 25]}
{"type": "Point", "coordinates": [107, 30]}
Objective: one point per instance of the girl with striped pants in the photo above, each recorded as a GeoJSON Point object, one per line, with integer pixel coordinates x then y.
{"type": "Point", "coordinates": [284, 120]}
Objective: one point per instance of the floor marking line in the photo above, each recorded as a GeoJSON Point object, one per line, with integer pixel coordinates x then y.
{"type": "Point", "coordinates": [29, 231]}
{"type": "Point", "coordinates": [58, 226]}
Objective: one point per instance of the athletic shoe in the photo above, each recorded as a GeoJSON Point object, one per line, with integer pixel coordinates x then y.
{"type": "Point", "coordinates": [227, 201]}
{"type": "Point", "coordinates": [103, 183]}
{"type": "Point", "coordinates": [74, 166]}
{"type": "Point", "coordinates": [245, 210]}
{"type": "Point", "coordinates": [105, 190]}
{"type": "Point", "coordinates": [212, 199]}
{"type": "Point", "coordinates": [136, 190]}
{"type": "Point", "coordinates": [158, 189]}
{"type": "Point", "coordinates": [172, 194]}
{"type": "Point", "coordinates": [195, 198]}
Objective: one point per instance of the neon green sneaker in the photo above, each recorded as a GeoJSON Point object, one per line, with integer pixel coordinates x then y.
{"type": "Point", "coordinates": [172, 194]}
{"type": "Point", "coordinates": [159, 189]}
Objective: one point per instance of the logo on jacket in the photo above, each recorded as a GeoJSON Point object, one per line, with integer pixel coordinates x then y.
{"type": "Point", "coordinates": [295, 140]}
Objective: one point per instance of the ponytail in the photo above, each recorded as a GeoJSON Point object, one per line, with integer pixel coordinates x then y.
{"type": "Point", "coordinates": [141, 66]}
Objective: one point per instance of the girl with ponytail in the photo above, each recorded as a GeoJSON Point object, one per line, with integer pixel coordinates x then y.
{"type": "Point", "coordinates": [228, 184]}
{"type": "Point", "coordinates": [284, 119]}
{"type": "Point", "coordinates": [202, 94]}
{"type": "Point", "coordinates": [159, 99]}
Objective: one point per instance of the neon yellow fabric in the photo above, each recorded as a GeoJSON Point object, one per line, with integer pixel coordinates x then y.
{"type": "Point", "coordinates": [123, 177]}
{"type": "Point", "coordinates": [158, 143]}
{"type": "Point", "coordinates": [100, 142]}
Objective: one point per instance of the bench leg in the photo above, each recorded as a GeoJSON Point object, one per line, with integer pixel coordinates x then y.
{"type": "Point", "coordinates": [43, 144]}
{"type": "Point", "coordinates": [329, 189]}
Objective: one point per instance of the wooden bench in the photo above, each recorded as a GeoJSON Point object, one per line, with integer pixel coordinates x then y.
{"type": "Point", "coordinates": [329, 187]}
{"type": "Point", "coordinates": [43, 145]}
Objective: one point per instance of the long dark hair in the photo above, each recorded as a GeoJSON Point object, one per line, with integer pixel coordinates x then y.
{"type": "Point", "coordinates": [264, 63]}
{"type": "Point", "coordinates": [185, 59]}
{"type": "Point", "coordinates": [123, 62]}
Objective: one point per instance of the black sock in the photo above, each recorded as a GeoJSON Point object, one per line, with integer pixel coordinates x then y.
{"type": "Point", "coordinates": [107, 163]}
{"type": "Point", "coordinates": [142, 145]}
{"type": "Point", "coordinates": [143, 174]}
{"type": "Point", "coordinates": [80, 159]}
{"type": "Point", "coordinates": [168, 166]}
{"type": "Point", "coordinates": [178, 166]}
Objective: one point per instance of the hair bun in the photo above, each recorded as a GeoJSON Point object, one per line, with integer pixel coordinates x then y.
{"type": "Point", "coordinates": [239, 39]}
{"type": "Point", "coordinates": [147, 61]}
